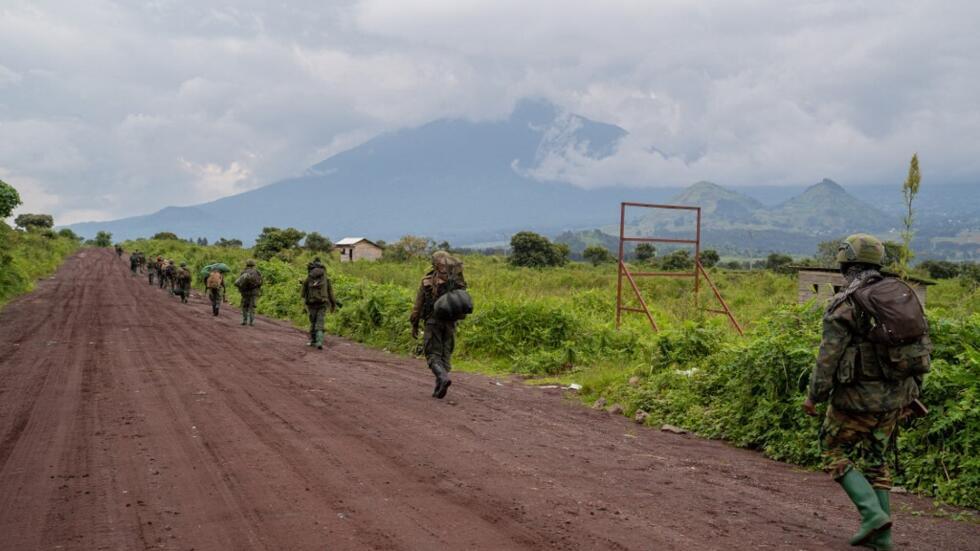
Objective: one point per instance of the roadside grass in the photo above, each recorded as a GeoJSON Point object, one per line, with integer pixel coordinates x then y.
{"type": "Point", "coordinates": [26, 257]}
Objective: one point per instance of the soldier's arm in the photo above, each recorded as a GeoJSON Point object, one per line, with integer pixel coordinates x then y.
{"type": "Point", "coordinates": [330, 297]}
{"type": "Point", "coordinates": [417, 306]}
{"type": "Point", "coordinates": [836, 337]}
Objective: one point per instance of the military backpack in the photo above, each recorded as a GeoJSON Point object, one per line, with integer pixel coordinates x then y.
{"type": "Point", "coordinates": [316, 287]}
{"type": "Point", "coordinates": [899, 330]}
{"type": "Point", "coordinates": [215, 280]}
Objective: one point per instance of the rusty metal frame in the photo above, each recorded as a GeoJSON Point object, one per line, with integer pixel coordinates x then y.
{"type": "Point", "coordinates": [696, 275]}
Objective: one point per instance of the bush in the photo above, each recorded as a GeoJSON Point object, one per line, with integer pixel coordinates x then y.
{"type": "Point", "coordinates": [709, 257]}
{"type": "Point", "coordinates": [940, 269]}
{"type": "Point", "coordinates": [103, 239]}
{"type": "Point", "coordinates": [779, 263]}
{"type": "Point", "coordinates": [407, 248]}
{"type": "Point", "coordinates": [531, 250]}
{"type": "Point", "coordinates": [597, 255]}
{"type": "Point", "coordinates": [645, 252]}
{"type": "Point", "coordinates": [34, 221]}
{"type": "Point", "coordinates": [28, 256]}
{"type": "Point", "coordinates": [166, 235]}
{"type": "Point", "coordinates": [273, 241]}
{"type": "Point", "coordinates": [677, 261]}
{"type": "Point", "coordinates": [9, 199]}
{"type": "Point", "coordinates": [317, 243]}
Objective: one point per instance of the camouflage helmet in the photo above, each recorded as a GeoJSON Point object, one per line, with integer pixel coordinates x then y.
{"type": "Point", "coordinates": [863, 248]}
{"type": "Point", "coordinates": [439, 258]}
{"type": "Point", "coordinates": [250, 262]}
{"type": "Point", "coordinates": [183, 264]}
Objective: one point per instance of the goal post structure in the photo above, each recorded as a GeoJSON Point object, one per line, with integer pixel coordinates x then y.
{"type": "Point", "coordinates": [696, 274]}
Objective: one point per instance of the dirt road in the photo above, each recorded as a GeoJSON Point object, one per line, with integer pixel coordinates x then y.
{"type": "Point", "coordinates": [130, 421]}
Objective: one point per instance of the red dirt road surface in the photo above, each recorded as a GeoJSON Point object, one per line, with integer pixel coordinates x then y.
{"type": "Point", "coordinates": [131, 421]}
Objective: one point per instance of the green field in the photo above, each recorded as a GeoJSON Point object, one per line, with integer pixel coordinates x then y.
{"type": "Point", "coordinates": [557, 324]}
{"type": "Point", "coordinates": [26, 257]}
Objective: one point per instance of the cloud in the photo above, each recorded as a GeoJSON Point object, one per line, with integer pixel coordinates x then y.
{"type": "Point", "coordinates": [121, 108]}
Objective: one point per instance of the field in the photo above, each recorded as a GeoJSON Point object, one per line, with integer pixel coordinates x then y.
{"type": "Point", "coordinates": [28, 256]}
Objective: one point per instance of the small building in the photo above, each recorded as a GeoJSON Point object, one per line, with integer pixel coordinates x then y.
{"type": "Point", "coordinates": [357, 248]}
{"type": "Point", "coordinates": [826, 282]}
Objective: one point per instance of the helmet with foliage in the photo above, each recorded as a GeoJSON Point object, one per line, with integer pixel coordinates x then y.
{"type": "Point", "coordinates": [863, 248]}
{"type": "Point", "coordinates": [250, 263]}
{"type": "Point", "coordinates": [440, 258]}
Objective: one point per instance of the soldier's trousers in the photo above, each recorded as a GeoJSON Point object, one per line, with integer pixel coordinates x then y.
{"type": "Point", "coordinates": [183, 293]}
{"type": "Point", "coordinates": [317, 312]}
{"type": "Point", "coordinates": [858, 440]}
{"type": "Point", "coordinates": [248, 304]}
{"type": "Point", "coordinates": [438, 344]}
{"type": "Point", "coordinates": [215, 296]}
{"type": "Point", "coordinates": [151, 276]}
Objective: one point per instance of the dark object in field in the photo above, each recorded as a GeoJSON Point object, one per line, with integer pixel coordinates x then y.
{"type": "Point", "coordinates": [453, 306]}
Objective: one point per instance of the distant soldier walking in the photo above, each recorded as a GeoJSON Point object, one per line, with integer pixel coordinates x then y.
{"type": "Point", "coordinates": [318, 295]}
{"type": "Point", "coordinates": [141, 261]}
{"type": "Point", "coordinates": [439, 338]}
{"type": "Point", "coordinates": [119, 251]}
{"type": "Point", "coordinates": [215, 287]}
{"type": "Point", "coordinates": [249, 284]}
{"type": "Point", "coordinates": [182, 281]}
{"type": "Point", "coordinates": [151, 270]}
{"type": "Point", "coordinates": [170, 276]}
{"type": "Point", "coordinates": [874, 353]}
{"type": "Point", "coordinates": [134, 262]}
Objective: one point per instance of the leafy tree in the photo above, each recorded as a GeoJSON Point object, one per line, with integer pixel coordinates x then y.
{"type": "Point", "coordinates": [709, 257]}
{"type": "Point", "coordinates": [733, 265]}
{"type": "Point", "coordinates": [970, 274]}
{"type": "Point", "coordinates": [228, 243]}
{"type": "Point", "coordinates": [909, 190]}
{"type": "Point", "coordinates": [9, 199]}
{"type": "Point", "coordinates": [202, 241]}
{"type": "Point", "coordinates": [827, 252]}
{"type": "Point", "coordinates": [778, 263]}
{"type": "Point", "coordinates": [645, 252]}
{"type": "Point", "coordinates": [68, 234]}
{"type": "Point", "coordinates": [406, 248]}
{"type": "Point", "coordinates": [940, 269]}
{"type": "Point", "coordinates": [532, 250]}
{"type": "Point", "coordinates": [444, 246]}
{"type": "Point", "coordinates": [103, 239]}
{"type": "Point", "coordinates": [677, 260]}
{"type": "Point", "coordinates": [316, 242]}
{"type": "Point", "coordinates": [34, 221]}
{"type": "Point", "coordinates": [597, 254]}
{"type": "Point", "coordinates": [273, 240]}
{"type": "Point", "coordinates": [166, 236]}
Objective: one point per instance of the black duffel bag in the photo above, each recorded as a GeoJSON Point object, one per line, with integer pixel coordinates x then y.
{"type": "Point", "coordinates": [453, 306]}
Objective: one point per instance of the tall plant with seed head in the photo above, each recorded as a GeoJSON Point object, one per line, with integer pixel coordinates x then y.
{"type": "Point", "coordinates": [909, 190]}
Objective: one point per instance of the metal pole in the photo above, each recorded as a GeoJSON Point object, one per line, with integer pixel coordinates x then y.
{"type": "Point", "coordinates": [697, 260]}
{"type": "Point", "coordinates": [620, 266]}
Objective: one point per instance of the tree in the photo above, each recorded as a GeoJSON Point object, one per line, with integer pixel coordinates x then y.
{"type": "Point", "coordinates": [202, 241]}
{"type": "Point", "coordinates": [9, 199]}
{"type": "Point", "coordinates": [645, 252]}
{"type": "Point", "coordinates": [273, 241]}
{"type": "Point", "coordinates": [68, 234]}
{"type": "Point", "coordinates": [709, 257]}
{"type": "Point", "coordinates": [103, 239]}
{"type": "Point", "coordinates": [778, 263]}
{"type": "Point", "coordinates": [827, 252]}
{"type": "Point", "coordinates": [677, 260]}
{"type": "Point", "coordinates": [444, 246]}
{"type": "Point", "coordinates": [406, 248]}
{"type": "Point", "coordinates": [909, 190]}
{"type": "Point", "coordinates": [166, 236]}
{"type": "Point", "coordinates": [318, 243]}
{"type": "Point", "coordinates": [34, 221]}
{"type": "Point", "coordinates": [597, 254]}
{"type": "Point", "coordinates": [536, 251]}
{"type": "Point", "coordinates": [940, 269]}
{"type": "Point", "coordinates": [229, 243]}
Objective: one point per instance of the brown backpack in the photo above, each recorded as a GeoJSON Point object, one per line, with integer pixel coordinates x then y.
{"type": "Point", "coordinates": [215, 280]}
{"type": "Point", "coordinates": [900, 331]}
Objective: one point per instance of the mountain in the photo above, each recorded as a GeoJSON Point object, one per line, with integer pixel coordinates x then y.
{"type": "Point", "coordinates": [450, 179]}
{"type": "Point", "coordinates": [826, 208]}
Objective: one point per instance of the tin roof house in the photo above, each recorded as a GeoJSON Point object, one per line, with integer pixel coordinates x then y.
{"type": "Point", "coordinates": [358, 248]}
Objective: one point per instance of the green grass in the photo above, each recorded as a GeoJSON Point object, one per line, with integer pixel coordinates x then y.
{"type": "Point", "coordinates": [26, 257]}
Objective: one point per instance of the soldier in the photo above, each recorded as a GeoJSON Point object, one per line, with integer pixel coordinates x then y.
{"type": "Point", "coordinates": [134, 262]}
{"type": "Point", "coordinates": [249, 284]}
{"type": "Point", "coordinates": [119, 251]}
{"type": "Point", "coordinates": [215, 287]}
{"type": "Point", "coordinates": [141, 261]}
{"type": "Point", "coordinates": [151, 270]}
{"type": "Point", "coordinates": [318, 295]}
{"type": "Point", "coordinates": [182, 279]}
{"type": "Point", "coordinates": [869, 390]}
{"type": "Point", "coordinates": [170, 274]}
{"type": "Point", "coordinates": [439, 339]}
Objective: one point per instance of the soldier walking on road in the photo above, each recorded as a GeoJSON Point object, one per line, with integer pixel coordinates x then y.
{"type": "Point", "coordinates": [249, 284]}
{"type": "Point", "coordinates": [141, 261]}
{"type": "Point", "coordinates": [215, 286]}
{"type": "Point", "coordinates": [119, 251]}
{"type": "Point", "coordinates": [183, 282]}
{"type": "Point", "coordinates": [134, 262]}
{"type": "Point", "coordinates": [439, 338]}
{"type": "Point", "coordinates": [170, 276]}
{"type": "Point", "coordinates": [874, 353]}
{"type": "Point", "coordinates": [318, 295]}
{"type": "Point", "coordinates": [151, 270]}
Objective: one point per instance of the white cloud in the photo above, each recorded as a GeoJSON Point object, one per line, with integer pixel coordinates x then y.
{"type": "Point", "coordinates": [122, 108]}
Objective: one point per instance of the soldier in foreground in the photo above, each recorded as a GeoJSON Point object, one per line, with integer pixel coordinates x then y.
{"type": "Point", "coordinates": [249, 284]}
{"type": "Point", "coordinates": [182, 281]}
{"type": "Point", "coordinates": [874, 353]}
{"type": "Point", "coordinates": [215, 287]}
{"type": "Point", "coordinates": [439, 338]}
{"type": "Point", "coordinates": [318, 296]}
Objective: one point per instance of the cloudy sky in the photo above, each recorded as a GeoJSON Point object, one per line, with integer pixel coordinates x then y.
{"type": "Point", "coordinates": [110, 109]}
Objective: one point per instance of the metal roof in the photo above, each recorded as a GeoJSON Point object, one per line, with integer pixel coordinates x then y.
{"type": "Point", "coordinates": [837, 271]}
{"type": "Point", "coordinates": [351, 241]}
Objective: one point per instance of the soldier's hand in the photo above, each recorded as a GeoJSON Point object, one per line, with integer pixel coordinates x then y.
{"type": "Point", "coordinates": [809, 407]}
{"type": "Point", "coordinates": [415, 331]}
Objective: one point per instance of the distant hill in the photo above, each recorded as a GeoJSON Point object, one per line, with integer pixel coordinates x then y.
{"type": "Point", "coordinates": [826, 208]}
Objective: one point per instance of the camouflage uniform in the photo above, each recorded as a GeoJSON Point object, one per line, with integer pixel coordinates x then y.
{"type": "Point", "coordinates": [865, 405]}
{"type": "Point", "coordinates": [317, 306]}
{"type": "Point", "coordinates": [134, 263]}
{"type": "Point", "coordinates": [182, 281]}
{"type": "Point", "coordinates": [216, 294]}
{"type": "Point", "coordinates": [439, 338]}
{"type": "Point", "coordinates": [251, 295]}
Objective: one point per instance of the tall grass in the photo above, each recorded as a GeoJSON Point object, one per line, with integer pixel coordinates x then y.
{"type": "Point", "coordinates": [26, 257]}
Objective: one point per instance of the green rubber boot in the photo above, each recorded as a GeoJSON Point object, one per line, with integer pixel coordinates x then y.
{"type": "Point", "coordinates": [319, 340]}
{"type": "Point", "coordinates": [244, 318]}
{"type": "Point", "coordinates": [882, 541]}
{"type": "Point", "coordinates": [873, 518]}
{"type": "Point", "coordinates": [251, 319]}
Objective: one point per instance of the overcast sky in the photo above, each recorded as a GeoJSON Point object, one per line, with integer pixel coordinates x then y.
{"type": "Point", "coordinates": [109, 109]}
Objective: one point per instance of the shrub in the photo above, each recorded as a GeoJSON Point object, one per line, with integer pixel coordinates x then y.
{"type": "Point", "coordinates": [103, 239]}
{"type": "Point", "coordinates": [34, 221]}
{"type": "Point", "coordinates": [532, 250]}
{"type": "Point", "coordinates": [9, 199]}
{"type": "Point", "coordinates": [597, 254]}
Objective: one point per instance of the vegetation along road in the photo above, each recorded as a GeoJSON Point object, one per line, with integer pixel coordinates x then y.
{"type": "Point", "coordinates": [130, 421]}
